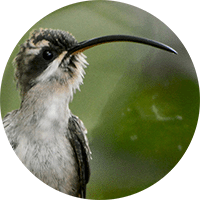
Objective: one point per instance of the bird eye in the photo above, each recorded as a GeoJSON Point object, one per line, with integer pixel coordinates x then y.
{"type": "Point", "coordinates": [47, 55]}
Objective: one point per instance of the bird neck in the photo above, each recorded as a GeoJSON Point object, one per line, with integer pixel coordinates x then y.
{"type": "Point", "coordinates": [48, 99]}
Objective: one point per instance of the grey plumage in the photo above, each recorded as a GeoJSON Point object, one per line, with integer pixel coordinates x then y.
{"type": "Point", "coordinates": [45, 135]}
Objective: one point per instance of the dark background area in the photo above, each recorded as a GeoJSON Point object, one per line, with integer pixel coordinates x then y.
{"type": "Point", "coordinates": [140, 104]}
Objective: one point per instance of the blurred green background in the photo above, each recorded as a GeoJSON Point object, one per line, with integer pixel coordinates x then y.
{"type": "Point", "coordinates": [139, 104]}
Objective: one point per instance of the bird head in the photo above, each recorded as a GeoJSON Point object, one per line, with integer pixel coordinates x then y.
{"type": "Point", "coordinates": [43, 58]}
{"type": "Point", "coordinates": [55, 55]}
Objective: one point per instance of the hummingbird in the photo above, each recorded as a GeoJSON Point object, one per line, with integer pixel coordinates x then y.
{"type": "Point", "coordinates": [48, 139]}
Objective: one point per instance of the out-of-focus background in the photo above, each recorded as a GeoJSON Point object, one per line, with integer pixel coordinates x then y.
{"type": "Point", "coordinates": [139, 104]}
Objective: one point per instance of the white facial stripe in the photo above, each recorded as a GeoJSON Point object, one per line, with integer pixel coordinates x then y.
{"type": "Point", "coordinates": [51, 69]}
{"type": "Point", "coordinates": [35, 50]}
{"type": "Point", "coordinates": [32, 51]}
{"type": "Point", "coordinates": [43, 43]}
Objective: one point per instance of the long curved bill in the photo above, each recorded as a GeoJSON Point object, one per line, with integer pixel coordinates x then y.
{"type": "Point", "coordinates": [87, 44]}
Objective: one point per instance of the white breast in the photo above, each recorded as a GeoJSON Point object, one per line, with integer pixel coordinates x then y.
{"type": "Point", "coordinates": [43, 146]}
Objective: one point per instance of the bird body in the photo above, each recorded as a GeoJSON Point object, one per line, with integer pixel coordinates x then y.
{"type": "Point", "coordinates": [39, 131]}
{"type": "Point", "coordinates": [49, 140]}
{"type": "Point", "coordinates": [41, 137]}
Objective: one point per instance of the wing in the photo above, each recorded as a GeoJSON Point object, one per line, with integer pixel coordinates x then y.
{"type": "Point", "coordinates": [10, 128]}
{"type": "Point", "coordinates": [78, 139]}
